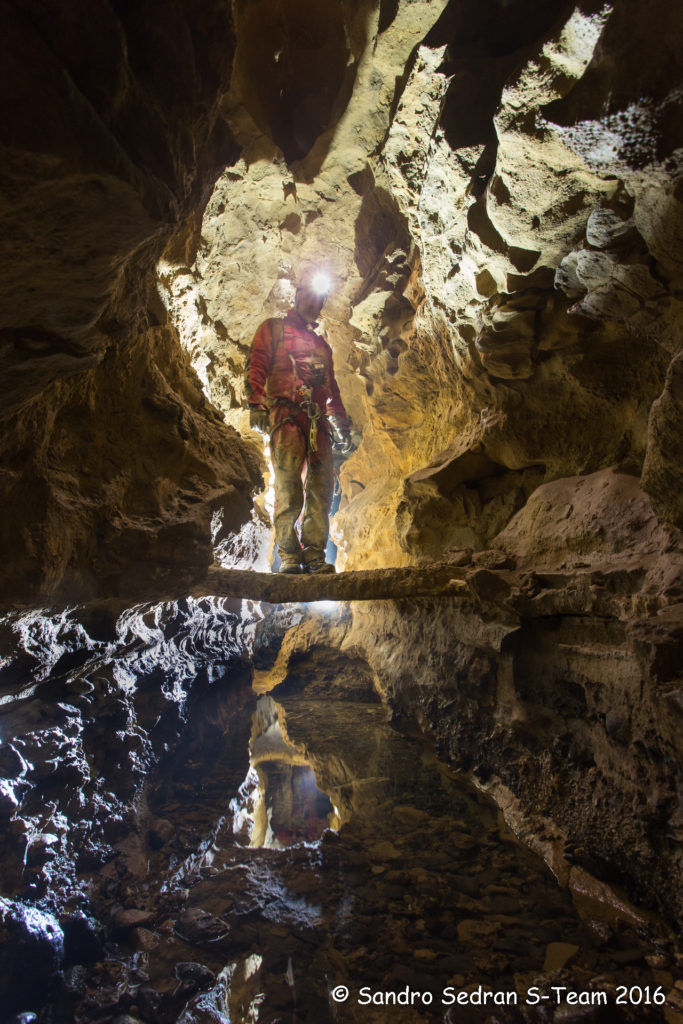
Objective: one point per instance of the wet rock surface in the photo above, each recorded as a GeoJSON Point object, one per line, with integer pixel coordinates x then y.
{"type": "Point", "coordinates": [174, 915]}
{"type": "Point", "coordinates": [558, 688]}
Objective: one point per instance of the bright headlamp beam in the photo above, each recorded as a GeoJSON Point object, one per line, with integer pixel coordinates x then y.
{"type": "Point", "coordinates": [321, 283]}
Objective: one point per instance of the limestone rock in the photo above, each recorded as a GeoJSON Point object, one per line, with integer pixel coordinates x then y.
{"type": "Point", "coordinates": [112, 140]}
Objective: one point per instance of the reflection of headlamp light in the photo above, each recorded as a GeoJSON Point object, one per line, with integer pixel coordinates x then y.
{"type": "Point", "coordinates": [321, 283]}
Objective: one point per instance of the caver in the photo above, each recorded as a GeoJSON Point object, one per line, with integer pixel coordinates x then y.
{"type": "Point", "coordinates": [295, 400]}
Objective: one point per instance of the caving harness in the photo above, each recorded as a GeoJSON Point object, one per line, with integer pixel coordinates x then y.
{"type": "Point", "coordinates": [302, 395]}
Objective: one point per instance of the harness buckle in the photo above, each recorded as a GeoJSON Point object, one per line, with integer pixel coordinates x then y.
{"type": "Point", "coordinates": [312, 410]}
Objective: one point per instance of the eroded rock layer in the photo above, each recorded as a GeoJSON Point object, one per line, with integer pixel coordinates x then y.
{"type": "Point", "coordinates": [501, 218]}
{"type": "Point", "coordinates": [493, 189]}
{"type": "Point", "coordinates": [111, 454]}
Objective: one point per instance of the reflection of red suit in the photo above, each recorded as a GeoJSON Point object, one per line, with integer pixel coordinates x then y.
{"type": "Point", "coordinates": [289, 366]}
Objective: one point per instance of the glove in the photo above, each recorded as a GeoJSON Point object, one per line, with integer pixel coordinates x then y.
{"type": "Point", "coordinates": [342, 442]}
{"type": "Point", "coordinates": [259, 418]}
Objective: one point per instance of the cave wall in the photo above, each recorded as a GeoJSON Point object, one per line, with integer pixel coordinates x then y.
{"type": "Point", "coordinates": [497, 201]}
{"type": "Point", "coordinates": [550, 311]}
{"type": "Point", "coordinates": [112, 139]}
{"type": "Point", "coordinates": [494, 192]}
{"type": "Point", "coordinates": [553, 679]}
{"type": "Point", "coordinates": [579, 745]}
{"type": "Point", "coordinates": [497, 196]}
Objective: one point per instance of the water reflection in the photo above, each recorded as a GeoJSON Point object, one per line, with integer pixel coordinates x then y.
{"type": "Point", "coordinates": [290, 807]}
{"type": "Point", "coordinates": [273, 846]}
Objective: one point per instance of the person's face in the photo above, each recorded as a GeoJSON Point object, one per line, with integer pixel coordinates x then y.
{"type": "Point", "coordinates": [308, 304]}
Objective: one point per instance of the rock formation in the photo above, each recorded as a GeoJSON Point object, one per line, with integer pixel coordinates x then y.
{"type": "Point", "coordinates": [495, 190]}
{"type": "Point", "coordinates": [112, 457]}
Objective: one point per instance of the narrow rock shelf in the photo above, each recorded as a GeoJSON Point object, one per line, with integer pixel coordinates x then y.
{"type": "Point", "coordinates": [363, 585]}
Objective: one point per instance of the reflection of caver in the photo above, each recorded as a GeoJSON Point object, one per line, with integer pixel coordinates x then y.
{"type": "Point", "coordinates": [292, 391]}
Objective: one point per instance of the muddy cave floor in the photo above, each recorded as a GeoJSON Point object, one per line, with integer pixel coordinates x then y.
{"type": "Point", "coordinates": [136, 830]}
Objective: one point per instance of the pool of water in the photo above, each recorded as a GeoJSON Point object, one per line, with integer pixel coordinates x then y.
{"type": "Point", "coordinates": [243, 856]}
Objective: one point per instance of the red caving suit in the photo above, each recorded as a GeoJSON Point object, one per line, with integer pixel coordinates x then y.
{"type": "Point", "coordinates": [291, 371]}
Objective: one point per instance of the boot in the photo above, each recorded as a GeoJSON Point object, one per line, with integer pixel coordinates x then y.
{"type": "Point", "coordinates": [319, 565]}
{"type": "Point", "coordinates": [290, 564]}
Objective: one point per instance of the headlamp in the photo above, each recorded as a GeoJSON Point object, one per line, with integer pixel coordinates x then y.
{"type": "Point", "coordinates": [321, 283]}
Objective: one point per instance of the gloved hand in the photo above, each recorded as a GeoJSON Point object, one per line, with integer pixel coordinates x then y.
{"type": "Point", "coordinates": [342, 442]}
{"type": "Point", "coordinates": [258, 418]}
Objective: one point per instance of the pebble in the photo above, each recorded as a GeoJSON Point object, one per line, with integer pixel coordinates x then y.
{"type": "Point", "coordinates": [124, 920]}
{"type": "Point", "coordinates": [198, 925]}
{"type": "Point", "coordinates": [384, 850]}
{"type": "Point", "coordinates": [188, 970]}
{"type": "Point", "coordinates": [675, 996]}
{"type": "Point", "coordinates": [145, 939]}
{"type": "Point", "coordinates": [569, 1014]}
{"type": "Point", "coordinates": [410, 815]}
{"type": "Point", "coordinates": [472, 931]}
{"type": "Point", "coordinates": [658, 961]}
{"type": "Point", "coordinates": [557, 955]}
{"type": "Point", "coordinates": [425, 954]}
